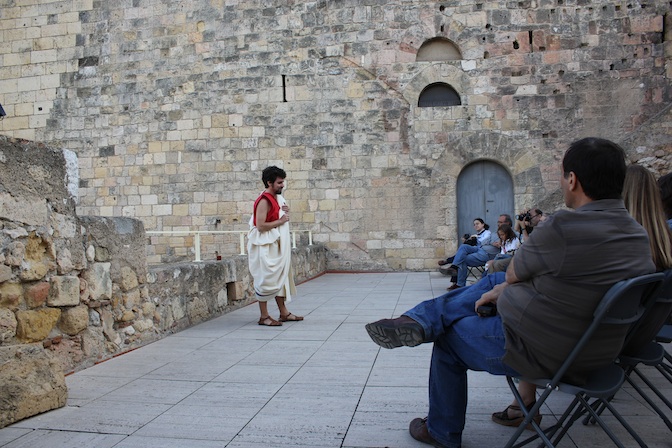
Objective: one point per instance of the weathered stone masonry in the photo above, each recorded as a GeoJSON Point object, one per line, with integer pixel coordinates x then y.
{"type": "Point", "coordinates": [174, 107]}
{"type": "Point", "coordinates": [77, 290]}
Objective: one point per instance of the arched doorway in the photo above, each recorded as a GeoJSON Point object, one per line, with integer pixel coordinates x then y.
{"type": "Point", "coordinates": [484, 190]}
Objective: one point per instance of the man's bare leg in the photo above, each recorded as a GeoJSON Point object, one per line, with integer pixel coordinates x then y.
{"type": "Point", "coordinates": [513, 415]}
{"type": "Point", "coordinates": [528, 392]}
{"type": "Point", "coordinates": [265, 318]}
{"type": "Point", "coordinates": [285, 314]}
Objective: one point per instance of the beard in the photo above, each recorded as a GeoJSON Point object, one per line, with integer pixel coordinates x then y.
{"type": "Point", "coordinates": [278, 191]}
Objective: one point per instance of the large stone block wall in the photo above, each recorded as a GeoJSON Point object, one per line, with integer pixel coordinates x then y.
{"type": "Point", "coordinates": [173, 107]}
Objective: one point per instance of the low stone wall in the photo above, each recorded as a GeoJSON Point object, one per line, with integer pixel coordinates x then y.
{"type": "Point", "coordinates": [188, 293]}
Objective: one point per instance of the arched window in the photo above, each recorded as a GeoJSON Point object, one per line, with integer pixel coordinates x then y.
{"type": "Point", "coordinates": [439, 94]}
{"type": "Point", "coordinates": [438, 49]}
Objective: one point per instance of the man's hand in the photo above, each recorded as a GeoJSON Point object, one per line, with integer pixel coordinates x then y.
{"type": "Point", "coordinates": [285, 208]}
{"type": "Point", "coordinates": [490, 296]}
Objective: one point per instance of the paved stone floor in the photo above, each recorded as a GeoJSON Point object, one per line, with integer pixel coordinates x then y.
{"type": "Point", "coordinates": [318, 383]}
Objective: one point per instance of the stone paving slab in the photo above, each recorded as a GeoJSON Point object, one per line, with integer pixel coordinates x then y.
{"type": "Point", "coordinates": [318, 383]}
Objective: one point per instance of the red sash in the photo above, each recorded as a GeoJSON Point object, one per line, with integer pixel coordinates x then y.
{"type": "Point", "coordinates": [273, 213]}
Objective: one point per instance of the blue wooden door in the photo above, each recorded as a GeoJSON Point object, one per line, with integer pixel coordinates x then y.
{"type": "Point", "coordinates": [484, 190]}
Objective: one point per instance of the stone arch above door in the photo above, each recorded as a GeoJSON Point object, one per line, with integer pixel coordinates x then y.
{"type": "Point", "coordinates": [513, 152]}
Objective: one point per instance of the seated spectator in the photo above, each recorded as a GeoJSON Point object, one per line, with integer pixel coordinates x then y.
{"type": "Point", "coordinates": [665, 184]}
{"type": "Point", "coordinates": [504, 218]}
{"type": "Point", "coordinates": [476, 255]}
{"type": "Point", "coordinates": [526, 221]}
{"type": "Point", "coordinates": [532, 330]}
{"type": "Point", "coordinates": [508, 244]}
{"type": "Point", "coordinates": [528, 224]}
{"type": "Point", "coordinates": [642, 200]}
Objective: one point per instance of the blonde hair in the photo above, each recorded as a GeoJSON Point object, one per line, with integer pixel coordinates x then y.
{"type": "Point", "coordinates": [642, 199]}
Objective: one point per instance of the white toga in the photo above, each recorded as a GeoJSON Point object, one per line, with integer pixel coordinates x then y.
{"type": "Point", "coordinates": [269, 258]}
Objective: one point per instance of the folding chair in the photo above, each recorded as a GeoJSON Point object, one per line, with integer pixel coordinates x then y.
{"type": "Point", "coordinates": [640, 348]}
{"type": "Point", "coordinates": [476, 271]}
{"type": "Point", "coordinates": [621, 305]}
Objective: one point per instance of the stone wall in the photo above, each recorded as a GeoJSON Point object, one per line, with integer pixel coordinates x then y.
{"type": "Point", "coordinates": [76, 286]}
{"type": "Point", "coordinates": [173, 108]}
{"type": "Point", "coordinates": [41, 254]}
{"type": "Point", "coordinates": [75, 291]}
{"type": "Point", "coordinates": [189, 293]}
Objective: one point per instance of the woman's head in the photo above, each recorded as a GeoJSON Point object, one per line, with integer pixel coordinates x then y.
{"type": "Point", "coordinates": [479, 225]}
{"type": "Point", "coordinates": [642, 199]}
{"type": "Point", "coordinates": [506, 233]}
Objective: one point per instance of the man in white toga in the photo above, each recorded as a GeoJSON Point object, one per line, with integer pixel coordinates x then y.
{"type": "Point", "coordinates": [269, 249]}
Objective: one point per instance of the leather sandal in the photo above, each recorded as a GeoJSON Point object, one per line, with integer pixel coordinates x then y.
{"type": "Point", "coordinates": [503, 418]}
{"type": "Point", "coordinates": [290, 318]}
{"type": "Point", "coordinates": [269, 322]}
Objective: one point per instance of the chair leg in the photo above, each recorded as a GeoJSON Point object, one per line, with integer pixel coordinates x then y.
{"type": "Point", "coordinates": [598, 407]}
{"type": "Point", "coordinates": [594, 410]}
{"type": "Point", "coordinates": [667, 365]}
{"type": "Point", "coordinates": [623, 422]}
{"type": "Point", "coordinates": [646, 397]}
{"type": "Point", "coordinates": [529, 419]}
{"type": "Point", "coordinates": [572, 413]}
{"type": "Point", "coordinates": [665, 369]}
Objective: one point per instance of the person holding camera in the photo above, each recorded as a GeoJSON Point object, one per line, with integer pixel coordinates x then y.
{"type": "Point", "coordinates": [526, 221]}
{"type": "Point", "coordinates": [476, 250]}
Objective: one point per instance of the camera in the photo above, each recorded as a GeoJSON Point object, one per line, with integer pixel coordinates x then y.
{"type": "Point", "coordinates": [524, 217]}
{"type": "Point", "coordinates": [469, 240]}
{"type": "Point", "coordinates": [487, 310]}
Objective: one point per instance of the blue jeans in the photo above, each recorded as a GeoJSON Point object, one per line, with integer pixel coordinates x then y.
{"type": "Point", "coordinates": [462, 341]}
{"type": "Point", "coordinates": [467, 255]}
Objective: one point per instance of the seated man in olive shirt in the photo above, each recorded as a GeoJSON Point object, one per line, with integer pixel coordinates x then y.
{"type": "Point", "coordinates": [544, 300]}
